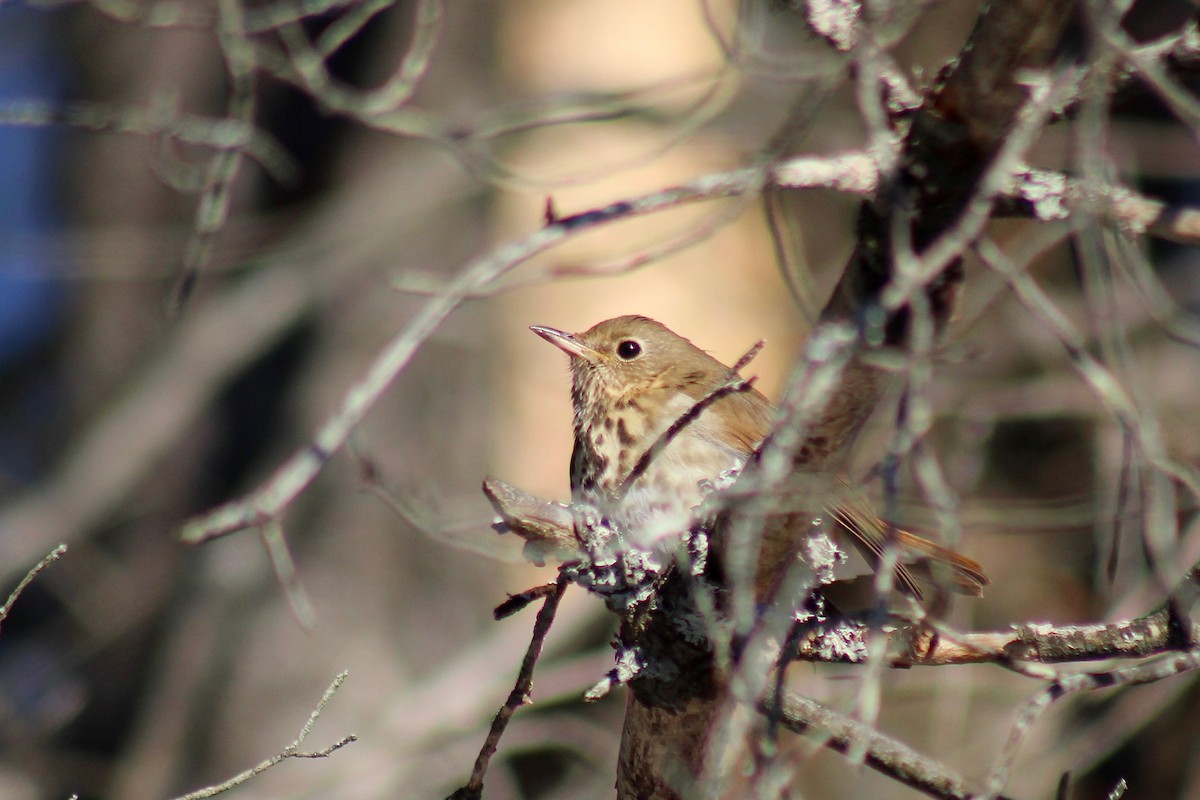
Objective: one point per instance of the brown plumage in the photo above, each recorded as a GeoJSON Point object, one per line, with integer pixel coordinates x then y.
{"type": "Point", "coordinates": [632, 378]}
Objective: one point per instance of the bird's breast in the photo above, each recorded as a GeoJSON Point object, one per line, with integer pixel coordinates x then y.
{"type": "Point", "coordinates": [612, 442]}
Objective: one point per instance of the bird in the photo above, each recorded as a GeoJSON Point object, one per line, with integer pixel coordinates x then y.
{"type": "Point", "coordinates": [633, 378]}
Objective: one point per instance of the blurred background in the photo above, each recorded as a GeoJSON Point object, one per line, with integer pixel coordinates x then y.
{"type": "Point", "coordinates": [137, 668]}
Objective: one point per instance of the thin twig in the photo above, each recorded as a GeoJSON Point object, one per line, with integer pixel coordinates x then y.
{"type": "Point", "coordinates": [1089, 681]}
{"type": "Point", "coordinates": [733, 385]}
{"type": "Point", "coordinates": [272, 16]}
{"type": "Point", "coordinates": [883, 753]}
{"type": "Point", "coordinates": [517, 602]}
{"type": "Point", "coordinates": [369, 473]}
{"type": "Point", "coordinates": [307, 63]}
{"type": "Point", "coordinates": [169, 123]}
{"type": "Point", "coordinates": [519, 695]}
{"type": "Point", "coordinates": [284, 565]}
{"type": "Point", "coordinates": [293, 476]}
{"type": "Point", "coordinates": [291, 751]}
{"type": "Point", "coordinates": [212, 209]}
{"type": "Point", "coordinates": [1110, 391]}
{"type": "Point", "coordinates": [46, 561]}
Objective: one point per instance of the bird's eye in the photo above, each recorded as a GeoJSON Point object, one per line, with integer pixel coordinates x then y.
{"type": "Point", "coordinates": [629, 349]}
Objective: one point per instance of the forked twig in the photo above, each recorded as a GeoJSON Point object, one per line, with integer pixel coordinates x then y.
{"type": "Point", "coordinates": [1070, 684]}
{"type": "Point", "coordinates": [291, 751]}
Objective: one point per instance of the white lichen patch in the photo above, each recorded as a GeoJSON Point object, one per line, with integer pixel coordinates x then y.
{"type": "Point", "coordinates": [1044, 190]}
{"type": "Point", "coordinates": [836, 21]}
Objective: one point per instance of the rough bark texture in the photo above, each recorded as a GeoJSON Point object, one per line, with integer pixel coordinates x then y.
{"type": "Point", "coordinates": [649, 771]}
{"type": "Point", "coordinates": [949, 146]}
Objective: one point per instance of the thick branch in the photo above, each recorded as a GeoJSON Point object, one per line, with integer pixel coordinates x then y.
{"type": "Point", "coordinates": [548, 531]}
{"type": "Point", "coordinates": [985, 91]}
{"type": "Point", "coordinates": [947, 153]}
{"type": "Point", "coordinates": [915, 645]}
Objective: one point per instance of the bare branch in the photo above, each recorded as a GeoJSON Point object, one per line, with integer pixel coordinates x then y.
{"type": "Point", "coordinates": [284, 566]}
{"type": "Point", "coordinates": [291, 751]}
{"type": "Point", "coordinates": [212, 209]}
{"type": "Point", "coordinates": [46, 561]}
{"type": "Point", "coordinates": [1089, 681]}
{"type": "Point", "coordinates": [272, 498]}
{"type": "Point", "coordinates": [1048, 196]}
{"type": "Point", "coordinates": [883, 753]}
{"type": "Point", "coordinates": [550, 527]}
{"type": "Point", "coordinates": [161, 121]}
{"type": "Point", "coordinates": [307, 62]}
{"type": "Point", "coordinates": [519, 695]}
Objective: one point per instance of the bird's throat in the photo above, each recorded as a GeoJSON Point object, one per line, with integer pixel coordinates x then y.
{"type": "Point", "coordinates": [612, 434]}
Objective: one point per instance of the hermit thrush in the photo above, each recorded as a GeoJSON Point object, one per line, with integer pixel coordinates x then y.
{"type": "Point", "coordinates": [632, 378]}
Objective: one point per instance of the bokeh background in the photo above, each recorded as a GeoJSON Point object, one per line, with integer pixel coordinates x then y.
{"type": "Point", "coordinates": [137, 668]}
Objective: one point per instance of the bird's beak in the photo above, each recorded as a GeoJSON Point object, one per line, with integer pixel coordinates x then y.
{"type": "Point", "coordinates": [567, 343]}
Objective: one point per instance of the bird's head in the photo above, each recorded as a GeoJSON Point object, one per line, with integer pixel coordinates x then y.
{"type": "Point", "coordinates": [626, 356]}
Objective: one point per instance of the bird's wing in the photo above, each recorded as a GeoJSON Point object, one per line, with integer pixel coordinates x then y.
{"type": "Point", "coordinates": [747, 418]}
{"type": "Point", "coordinates": [871, 535]}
